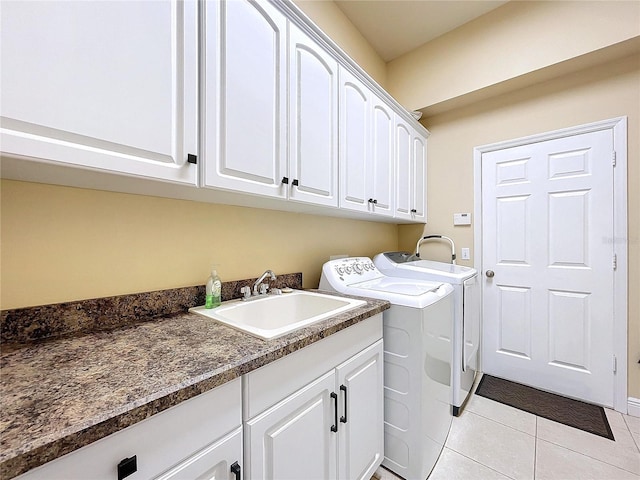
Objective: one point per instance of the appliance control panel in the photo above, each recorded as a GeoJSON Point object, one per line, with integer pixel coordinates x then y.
{"type": "Point", "coordinates": [351, 270]}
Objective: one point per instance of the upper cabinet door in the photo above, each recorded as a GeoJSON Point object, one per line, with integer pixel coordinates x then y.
{"type": "Point", "coordinates": [411, 171]}
{"type": "Point", "coordinates": [381, 174]}
{"type": "Point", "coordinates": [404, 188]}
{"type": "Point", "coordinates": [355, 113]}
{"type": "Point", "coordinates": [109, 86]}
{"type": "Point", "coordinates": [313, 121]}
{"type": "Point", "coordinates": [419, 168]}
{"type": "Point", "coordinates": [244, 89]}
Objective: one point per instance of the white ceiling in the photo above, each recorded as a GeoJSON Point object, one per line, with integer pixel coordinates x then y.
{"type": "Point", "coordinates": [395, 27]}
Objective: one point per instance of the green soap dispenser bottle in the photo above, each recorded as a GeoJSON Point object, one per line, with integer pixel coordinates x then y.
{"type": "Point", "coordinates": [213, 290]}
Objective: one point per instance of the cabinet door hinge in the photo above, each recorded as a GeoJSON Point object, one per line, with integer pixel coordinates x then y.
{"type": "Point", "coordinates": [191, 158]}
{"type": "Point", "coordinates": [614, 158]}
{"type": "Point", "coordinates": [615, 261]}
{"type": "Point", "coordinates": [615, 364]}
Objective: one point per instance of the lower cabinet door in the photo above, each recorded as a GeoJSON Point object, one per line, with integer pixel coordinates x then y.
{"type": "Point", "coordinates": [220, 460]}
{"type": "Point", "coordinates": [295, 439]}
{"type": "Point", "coordinates": [361, 422]}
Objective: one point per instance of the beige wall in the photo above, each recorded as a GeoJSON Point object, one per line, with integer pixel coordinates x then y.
{"type": "Point", "coordinates": [606, 91]}
{"type": "Point", "coordinates": [62, 243]}
{"type": "Point", "coordinates": [508, 42]}
{"type": "Point", "coordinates": [339, 28]}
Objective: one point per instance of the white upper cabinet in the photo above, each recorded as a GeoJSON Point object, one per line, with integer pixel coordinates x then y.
{"type": "Point", "coordinates": [244, 98]}
{"type": "Point", "coordinates": [366, 149]}
{"type": "Point", "coordinates": [313, 121]}
{"type": "Point", "coordinates": [245, 93]}
{"type": "Point", "coordinates": [355, 118]}
{"type": "Point", "coordinates": [381, 173]}
{"type": "Point", "coordinates": [109, 86]}
{"type": "Point", "coordinates": [403, 169]}
{"type": "Point", "coordinates": [411, 162]}
{"type": "Point", "coordinates": [419, 184]}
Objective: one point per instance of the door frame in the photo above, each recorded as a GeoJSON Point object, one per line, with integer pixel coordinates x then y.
{"type": "Point", "coordinates": [618, 126]}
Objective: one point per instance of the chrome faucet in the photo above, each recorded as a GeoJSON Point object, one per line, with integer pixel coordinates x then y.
{"type": "Point", "coordinates": [263, 288]}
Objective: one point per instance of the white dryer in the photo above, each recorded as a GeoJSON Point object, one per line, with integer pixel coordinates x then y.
{"type": "Point", "coordinates": [417, 360]}
{"type": "Point", "coordinates": [466, 325]}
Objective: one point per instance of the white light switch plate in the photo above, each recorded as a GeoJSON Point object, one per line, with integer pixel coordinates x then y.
{"type": "Point", "coordinates": [466, 254]}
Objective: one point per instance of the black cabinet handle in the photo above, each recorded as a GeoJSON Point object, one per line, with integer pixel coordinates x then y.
{"type": "Point", "coordinates": [375, 201]}
{"type": "Point", "coordinates": [343, 419]}
{"type": "Point", "coordinates": [370, 200]}
{"type": "Point", "coordinates": [413, 210]}
{"type": "Point", "coordinates": [295, 182]}
{"type": "Point", "coordinates": [235, 469]}
{"type": "Point", "coordinates": [285, 180]}
{"type": "Point", "coordinates": [334, 427]}
{"type": "Point", "coordinates": [127, 466]}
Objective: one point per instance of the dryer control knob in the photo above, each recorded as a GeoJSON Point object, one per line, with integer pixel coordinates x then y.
{"type": "Point", "coordinates": [348, 269]}
{"type": "Point", "coordinates": [358, 268]}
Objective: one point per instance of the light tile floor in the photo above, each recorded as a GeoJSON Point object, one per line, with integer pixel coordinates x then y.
{"type": "Point", "coordinates": [490, 440]}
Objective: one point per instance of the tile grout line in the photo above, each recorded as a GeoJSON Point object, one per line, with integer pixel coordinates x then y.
{"type": "Point", "coordinates": [588, 456]}
{"type": "Point", "coordinates": [479, 463]}
{"type": "Point", "coordinates": [503, 424]}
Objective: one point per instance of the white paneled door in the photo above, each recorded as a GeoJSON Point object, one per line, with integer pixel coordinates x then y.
{"type": "Point", "coordinates": [548, 260]}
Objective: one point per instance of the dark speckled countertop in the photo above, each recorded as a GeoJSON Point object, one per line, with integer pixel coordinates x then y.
{"type": "Point", "coordinates": [63, 393]}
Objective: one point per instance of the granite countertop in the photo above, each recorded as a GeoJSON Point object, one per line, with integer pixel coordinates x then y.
{"type": "Point", "coordinates": [63, 393]}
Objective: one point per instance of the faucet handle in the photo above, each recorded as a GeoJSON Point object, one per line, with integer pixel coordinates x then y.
{"type": "Point", "coordinates": [263, 288]}
{"type": "Point", "coordinates": [246, 292]}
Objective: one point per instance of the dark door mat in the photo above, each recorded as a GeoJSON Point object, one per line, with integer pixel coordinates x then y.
{"type": "Point", "coordinates": [574, 413]}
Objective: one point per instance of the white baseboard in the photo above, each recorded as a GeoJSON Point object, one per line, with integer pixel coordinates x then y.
{"type": "Point", "coordinates": [633, 406]}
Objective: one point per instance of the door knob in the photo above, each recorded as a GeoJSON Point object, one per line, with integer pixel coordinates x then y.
{"type": "Point", "coordinates": [490, 273]}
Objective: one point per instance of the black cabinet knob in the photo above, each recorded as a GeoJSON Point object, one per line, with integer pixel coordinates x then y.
{"type": "Point", "coordinates": [127, 466]}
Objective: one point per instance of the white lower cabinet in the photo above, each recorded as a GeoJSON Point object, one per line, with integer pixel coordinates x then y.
{"type": "Point", "coordinates": [294, 438]}
{"type": "Point", "coordinates": [198, 438]}
{"type": "Point", "coordinates": [316, 413]}
{"type": "Point", "coordinates": [361, 424]}
{"type": "Point", "coordinates": [329, 428]}
{"type": "Point", "coordinates": [219, 460]}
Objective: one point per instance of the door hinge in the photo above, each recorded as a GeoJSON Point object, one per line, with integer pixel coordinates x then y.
{"type": "Point", "coordinates": [615, 261]}
{"type": "Point", "coordinates": [615, 364]}
{"type": "Point", "coordinates": [614, 158]}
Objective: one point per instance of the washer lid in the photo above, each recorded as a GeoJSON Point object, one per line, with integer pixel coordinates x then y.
{"type": "Point", "coordinates": [399, 286]}
{"type": "Point", "coordinates": [422, 269]}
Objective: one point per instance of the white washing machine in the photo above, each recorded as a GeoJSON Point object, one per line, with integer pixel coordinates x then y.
{"type": "Point", "coordinates": [417, 360]}
{"type": "Point", "coordinates": [466, 325]}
